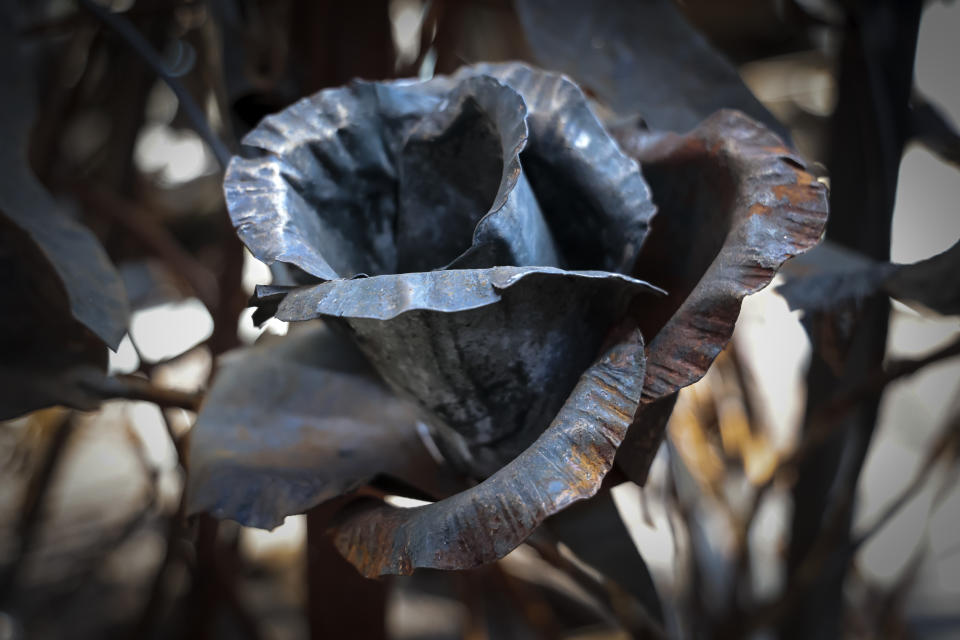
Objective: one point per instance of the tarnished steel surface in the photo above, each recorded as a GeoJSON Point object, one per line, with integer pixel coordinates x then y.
{"type": "Point", "coordinates": [734, 203]}
{"type": "Point", "coordinates": [565, 464]}
{"type": "Point", "coordinates": [490, 353]}
{"type": "Point", "coordinates": [296, 421]}
{"type": "Point", "coordinates": [594, 198]}
{"type": "Point", "coordinates": [496, 165]}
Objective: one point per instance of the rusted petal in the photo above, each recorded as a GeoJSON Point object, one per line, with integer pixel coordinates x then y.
{"type": "Point", "coordinates": [565, 464]}
{"type": "Point", "coordinates": [296, 421]}
{"type": "Point", "coordinates": [734, 204]}
{"type": "Point", "coordinates": [490, 354]}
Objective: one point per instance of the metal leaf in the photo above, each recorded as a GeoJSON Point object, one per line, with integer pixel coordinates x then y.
{"type": "Point", "coordinates": [489, 353]}
{"type": "Point", "coordinates": [291, 423]}
{"type": "Point", "coordinates": [89, 283]}
{"type": "Point", "coordinates": [639, 58]}
{"type": "Point", "coordinates": [565, 464]}
{"type": "Point", "coordinates": [831, 277]}
{"type": "Point", "coordinates": [735, 203]}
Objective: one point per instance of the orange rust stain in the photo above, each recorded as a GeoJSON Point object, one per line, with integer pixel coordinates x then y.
{"type": "Point", "coordinates": [593, 464]}
{"type": "Point", "coordinates": [779, 150]}
{"type": "Point", "coordinates": [800, 192]}
{"type": "Point", "coordinates": [759, 209]}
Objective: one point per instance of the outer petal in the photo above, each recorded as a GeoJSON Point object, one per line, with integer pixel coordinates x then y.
{"type": "Point", "coordinates": [293, 422]}
{"type": "Point", "coordinates": [565, 464]}
{"type": "Point", "coordinates": [489, 353]}
{"type": "Point", "coordinates": [734, 205]}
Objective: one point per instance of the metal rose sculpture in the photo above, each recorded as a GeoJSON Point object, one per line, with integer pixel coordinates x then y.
{"type": "Point", "coordinates": [479, 238]}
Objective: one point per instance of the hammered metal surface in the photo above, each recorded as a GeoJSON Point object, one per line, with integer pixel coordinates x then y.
{"type": "Point", "coordinates": [496, 165]}
{"type": "Point", "coordinates": [472, 234]}
{"type": "Point", "coordinates": [490, 353]}
{"type": "Point", "coordinates": [566, 463]}
{"type": "Point", "coordinates": [735, 203]}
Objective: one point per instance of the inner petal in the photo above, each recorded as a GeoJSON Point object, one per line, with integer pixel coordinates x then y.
{"type": "Point", "coordinates": [450, 171]}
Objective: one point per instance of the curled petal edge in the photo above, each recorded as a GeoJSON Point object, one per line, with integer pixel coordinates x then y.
{"type": "Point", "coordinates": [388, 296]}
{"type": "Point", "coordinates": [566, 463]}
{"type": "Point", "coordinates": [777, 211]}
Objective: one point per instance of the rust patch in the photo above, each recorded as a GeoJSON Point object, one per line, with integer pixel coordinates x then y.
{"type": "Point", "coordinates": [775, 193]}
{"type": "Point", "coordinates": [799, 193]}
{"type": "Point", "coordinates": [778, 149]}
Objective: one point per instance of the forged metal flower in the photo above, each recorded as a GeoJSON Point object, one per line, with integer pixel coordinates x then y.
{"type": "Point", "coordinates": [477, 237]}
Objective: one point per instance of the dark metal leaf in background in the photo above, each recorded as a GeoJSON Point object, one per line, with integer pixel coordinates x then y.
{"type": "Point", "coordinates": [489, 353]}
{"type": "Point", "coordinates": [831, 276]}
{"type": "Point", "coordinates": [566, 463]}
{"type": "Point", "coordinates": [734, 204]}
{"type": "Point", "coordinates": [90, 283]}
{"type": "Point", "coordinates": [639, 57]}
{"type": "Point", "coordinates": [63, 299]}
{"type": "Point", "coordinates": [296, 421]}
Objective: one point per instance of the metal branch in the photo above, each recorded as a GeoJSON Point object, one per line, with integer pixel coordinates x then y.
{"type": "Point", "coordinates": [128, 33]}
{"type": "Point", "coordinates": [135, 388]}
{"type": "Point", "coordinates": [931, 128]}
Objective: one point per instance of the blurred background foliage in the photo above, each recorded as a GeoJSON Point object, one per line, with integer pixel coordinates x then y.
{"type": "Point", "coordinates": [808, 484]}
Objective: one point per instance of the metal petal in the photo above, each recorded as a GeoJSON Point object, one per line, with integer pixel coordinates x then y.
{"type": "Point", "coordinates": [409, 176]}
{"type": "Point", "coordinates": [401, 176]}
{"type": "Point", "coordinates": [489, 353]}
{"type": "Point", "coordinates": [297, 421]}
{"type": "Point", "coordinates": [317, 188]}
{"type": "Point", "coordinates": [453, 164]}
{"type": "Point", "coordinates": [735, 203]}
{"type": "Point", "coordinates": [592, 194]}
{"type": "Point", "coordinates": [565, 464]}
